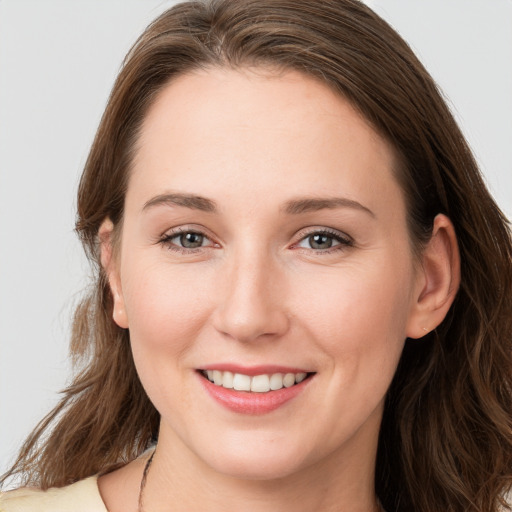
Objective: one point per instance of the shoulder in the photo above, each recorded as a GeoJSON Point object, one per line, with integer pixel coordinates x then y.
{"type": "Point", "coordinates": [82, 496]}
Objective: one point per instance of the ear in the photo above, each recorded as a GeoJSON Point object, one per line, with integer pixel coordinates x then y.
{"type": "Point", "coordinates": [110, 265]}
{"type": "Point", "coordinates": [438, 279]}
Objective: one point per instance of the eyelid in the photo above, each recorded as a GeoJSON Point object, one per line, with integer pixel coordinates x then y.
{"type": "Point", "coordinates": [186, 228]}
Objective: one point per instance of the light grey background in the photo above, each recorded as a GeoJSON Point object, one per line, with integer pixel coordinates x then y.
{"type": "Point", "coordinates": [58, 60]}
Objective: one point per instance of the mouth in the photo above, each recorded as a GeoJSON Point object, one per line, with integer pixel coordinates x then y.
{"type": "Point", "coordinates": [262, 383]}
{"type": "Point", "coordinates": [250, 391]}
{"type": "Point", "coordinates": [253, 390]}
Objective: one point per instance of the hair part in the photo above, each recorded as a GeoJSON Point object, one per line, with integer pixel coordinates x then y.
{"type": "Point", "coordinates": [446, 437]}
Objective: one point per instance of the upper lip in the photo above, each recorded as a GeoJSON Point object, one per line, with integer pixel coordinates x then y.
{"type": "Point", "coordinates": [254, 369]}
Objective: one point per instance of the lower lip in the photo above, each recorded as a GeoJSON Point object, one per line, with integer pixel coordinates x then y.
{"type": "Point", "coordinates": [246, 402]}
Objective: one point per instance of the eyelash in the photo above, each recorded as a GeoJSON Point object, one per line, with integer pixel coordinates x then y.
{"type": "Point", "coordinates": [343, 241]}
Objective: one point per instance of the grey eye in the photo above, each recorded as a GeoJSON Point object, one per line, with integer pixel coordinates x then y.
{"type": "Point", "coordinates": [320, 241]}
{"type": "Point", "coordinates": [191, 240]}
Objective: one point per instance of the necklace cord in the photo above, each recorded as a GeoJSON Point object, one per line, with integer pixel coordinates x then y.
{"type": "Point", "coordinates": [143, 482]}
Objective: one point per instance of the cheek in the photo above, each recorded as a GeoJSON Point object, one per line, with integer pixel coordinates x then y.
{"type": "Point", "coordinates": [166, 309]}
{"type": "Point", "coordinates": [358, 295]}
{"type": "Point", "coordinates": [359, 317]}
{"type": "Point", "coordinates": [360, 325]}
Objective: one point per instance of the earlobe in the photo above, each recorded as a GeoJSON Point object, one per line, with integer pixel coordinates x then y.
{"type": "Point", "coordinates": [438, 280]}
{"type": "Point", "coordinates": [110, 266]}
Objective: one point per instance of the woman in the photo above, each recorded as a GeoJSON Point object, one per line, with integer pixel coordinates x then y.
{"type": "Point", "coordinates": [303, 287]}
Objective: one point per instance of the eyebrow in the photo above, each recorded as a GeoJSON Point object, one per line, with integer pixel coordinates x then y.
{"type": "Point", "coordinates": [304, 205]}
{"type": "Point", "coordinates": [186, 200]}
{"type": "Point", "coordinates": [292, 207]}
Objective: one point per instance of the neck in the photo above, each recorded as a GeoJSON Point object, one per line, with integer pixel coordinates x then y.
{"type": "Point", "coordinates": [179, 481]}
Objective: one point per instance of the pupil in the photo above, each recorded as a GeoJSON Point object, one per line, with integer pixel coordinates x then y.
{"type": "Point", "coordinates": [320, 241]}
{"type": "Point", "coordinates": [191, 240]}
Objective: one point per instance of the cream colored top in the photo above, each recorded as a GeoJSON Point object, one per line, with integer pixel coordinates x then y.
{"type": "Point", "coordinates": [82, 496]}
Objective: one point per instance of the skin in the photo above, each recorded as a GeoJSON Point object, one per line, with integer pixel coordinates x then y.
{"type": "Point", "coordinates": [258, 292]}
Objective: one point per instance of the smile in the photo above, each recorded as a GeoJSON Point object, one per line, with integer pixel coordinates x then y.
{"type": "Point", "coordinates": [263, 383]}
{"type": "Point", "coordinates": [253, 390]}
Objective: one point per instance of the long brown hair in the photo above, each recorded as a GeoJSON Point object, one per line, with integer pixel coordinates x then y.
{"type": "Point", "coordinates": [446, 436]}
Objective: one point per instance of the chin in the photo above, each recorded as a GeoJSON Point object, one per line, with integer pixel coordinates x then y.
{"type": "Point", "coordinates": [246, 469]}
{"type": "Point", "coordinates": [269, 463]}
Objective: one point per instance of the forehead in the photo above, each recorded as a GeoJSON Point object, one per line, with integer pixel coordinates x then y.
{"type": "Point", "coordinates": [223, 130]}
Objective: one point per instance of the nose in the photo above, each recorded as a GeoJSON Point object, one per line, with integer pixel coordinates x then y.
{"type": "Point", "coordinates": [250, 303]}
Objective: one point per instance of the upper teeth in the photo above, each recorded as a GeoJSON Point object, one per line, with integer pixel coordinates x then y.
{"type": "Point", "coordinates": [258, 383]}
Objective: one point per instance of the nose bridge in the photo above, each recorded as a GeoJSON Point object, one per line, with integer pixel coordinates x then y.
{"type": "Point", "coordinates": [251, 304]}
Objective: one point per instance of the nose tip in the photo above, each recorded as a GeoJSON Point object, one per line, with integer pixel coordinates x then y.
{"type": "Point", "coordinates": [252, 325]}
{"type": "Point", "coordinates": [251, 307]}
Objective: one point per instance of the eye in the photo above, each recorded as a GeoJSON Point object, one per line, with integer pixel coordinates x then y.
{"type": "Point", "coordinates": [324, 240]}
{"type": "Point", "coordinates": [189, 240]}
{"type": "Point", "coordinates": [186, 240]}
{"type": "Point", "coordinates": [319, 241]}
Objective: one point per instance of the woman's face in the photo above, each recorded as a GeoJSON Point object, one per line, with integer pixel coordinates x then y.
{"type": "Point", "coordinates": [264, 234]}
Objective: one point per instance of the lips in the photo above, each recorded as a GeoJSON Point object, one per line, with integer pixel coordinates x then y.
{"type": "Point", "coordinates": [254, 390]}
